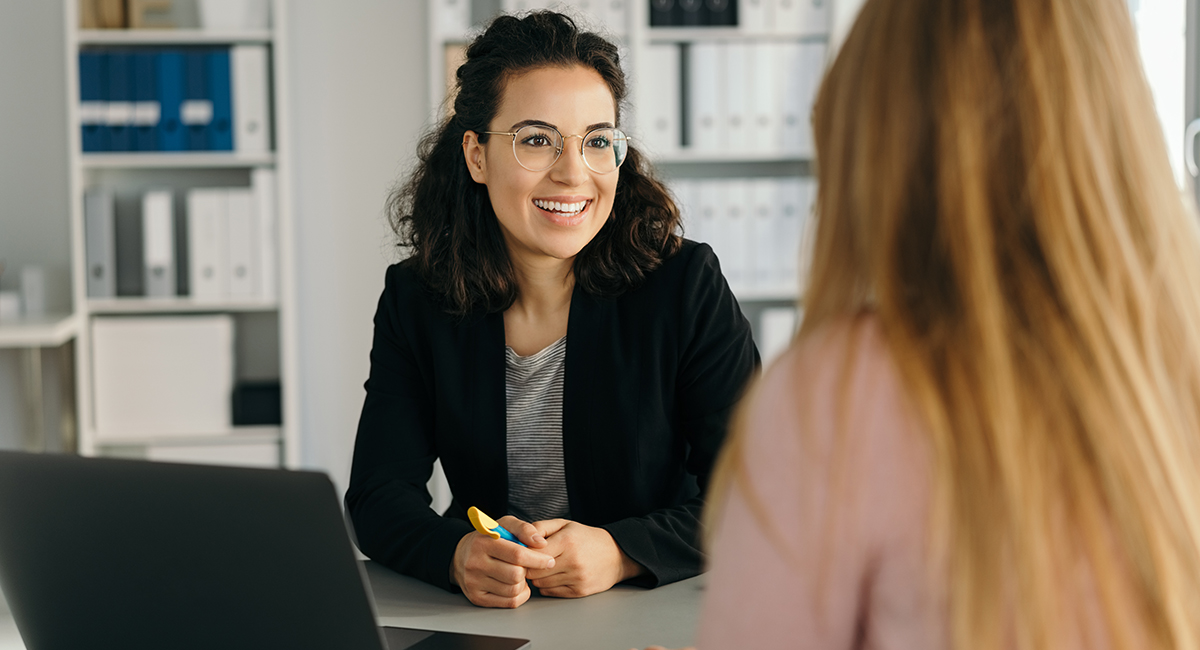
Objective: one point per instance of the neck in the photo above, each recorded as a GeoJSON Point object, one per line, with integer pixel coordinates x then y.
{"type": "Point", "coordinates": [544, 286]}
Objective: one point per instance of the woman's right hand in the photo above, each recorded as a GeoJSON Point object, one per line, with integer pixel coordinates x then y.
{"type": "Point", "coordinates": [491, 572]}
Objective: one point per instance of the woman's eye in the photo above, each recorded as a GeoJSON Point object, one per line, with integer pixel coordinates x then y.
{"type": "Point", "coordinates": [536, 141]}
{"type": "Point", "coordinates": [599, 142]}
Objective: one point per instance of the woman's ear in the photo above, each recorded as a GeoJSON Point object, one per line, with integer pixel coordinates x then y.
{"type": "Point", "coordinates": [473, 154]}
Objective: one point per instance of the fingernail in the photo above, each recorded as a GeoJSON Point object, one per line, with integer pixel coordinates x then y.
{"type": "Point", "coordinates": [539, 539]}
{"type": "Point", "coordinates": [551, 565]}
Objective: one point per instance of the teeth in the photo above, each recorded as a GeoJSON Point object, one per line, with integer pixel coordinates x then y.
{"type": "Point", "coordinates": [557, 206]}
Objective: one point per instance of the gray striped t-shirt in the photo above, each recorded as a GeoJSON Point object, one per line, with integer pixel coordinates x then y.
{"type": "Point", "coordinates": [537, 485]}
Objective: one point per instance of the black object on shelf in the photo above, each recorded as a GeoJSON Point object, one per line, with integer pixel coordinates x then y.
{"type": "Point", "coordinates": [660, 12]}
{"type": "Point", "coordinates": [693, 13]}
{"type": "Point", "coordinates": [257, 403]}
{"type": "Point", "coordinates": [722, 13]}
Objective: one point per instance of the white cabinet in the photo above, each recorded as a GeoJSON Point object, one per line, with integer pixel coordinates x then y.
{"type": "Point", "coordinates": [173, 362]}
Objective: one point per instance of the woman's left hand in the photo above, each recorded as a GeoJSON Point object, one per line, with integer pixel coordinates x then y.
{"type": "Point", "coordinates": [586, 560]}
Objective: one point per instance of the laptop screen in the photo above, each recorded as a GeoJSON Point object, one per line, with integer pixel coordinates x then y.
{"type": "Point", "coordinates": [156, 555]}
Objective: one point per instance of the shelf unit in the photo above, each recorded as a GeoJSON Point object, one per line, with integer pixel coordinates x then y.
{"type": "Point", "coordinates": [771, 307]}
{"type": "Point", "coordinates": [264, 330]}
{"type": "Point", "coordinates": [680, 166]}
{"type": "Point", "coordinates": [183, 160]}
{"type": "Point", "coordinates": [49, 331]}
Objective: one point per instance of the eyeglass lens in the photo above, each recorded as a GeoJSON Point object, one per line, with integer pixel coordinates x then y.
{"type": "Point", "coordinates": [537, 147]}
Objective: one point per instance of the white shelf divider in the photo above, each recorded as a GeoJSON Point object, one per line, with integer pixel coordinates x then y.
{"type": "Point", "coordinates": [171, 36]}
{"type": "Point", "coordinates": [178, 305]}
{"type": "Point", "coordinates": [175, 160]}
{"type": "Point", "coordinates": [233, 436]}
{"type": "Point", "coordinates": [49, 331]}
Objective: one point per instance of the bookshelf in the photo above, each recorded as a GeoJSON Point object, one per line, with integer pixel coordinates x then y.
{"type": "Point", "coordinates": [747, 195]}
{"type": "Point", "coordinates": [260, 327]}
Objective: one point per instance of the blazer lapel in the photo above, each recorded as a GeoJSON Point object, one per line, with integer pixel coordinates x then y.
{"type": "Point", "coordinates": [489, 409]}
{"type": "Point", "coordinates": [581, 390]}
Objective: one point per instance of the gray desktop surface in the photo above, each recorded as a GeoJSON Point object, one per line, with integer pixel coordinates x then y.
{"type": "Point", "coordinates": [622, 618]}
{"type": "Point", "coordinates": [618, 619]}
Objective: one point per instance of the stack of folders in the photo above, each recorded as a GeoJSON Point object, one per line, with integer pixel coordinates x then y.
{"type": "Point", "coordinates": [755, 226]}
{"type": "Point", "coordinates": [694, 13]}
{"type": "Point", "coordinates": [230, 243]}
{"type": "Point", "coordinates": [791, 17]}
{"type": "Point", "coordinates": [193, 99]}
{"type": "Point", "coordinates": [749, 98]}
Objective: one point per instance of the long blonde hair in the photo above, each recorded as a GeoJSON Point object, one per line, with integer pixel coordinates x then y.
{"type": "Point", "coordinates": [994, 187]}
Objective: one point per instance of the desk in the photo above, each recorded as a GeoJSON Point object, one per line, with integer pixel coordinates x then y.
{"type": "Point", "coordinates": [618, 619]}
{"type": "Point", "coordinates": [31, 336]}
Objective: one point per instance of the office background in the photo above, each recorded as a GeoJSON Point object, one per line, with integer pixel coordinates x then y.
{"type": "Point", "coordinates": [358, 104]}
{"type": "Point", "coordinates": [359, 101]}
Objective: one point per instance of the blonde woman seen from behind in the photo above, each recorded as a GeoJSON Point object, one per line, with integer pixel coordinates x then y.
{"type": "Point", "coordinates": [987, 433]}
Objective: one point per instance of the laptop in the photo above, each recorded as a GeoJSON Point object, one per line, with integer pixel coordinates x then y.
{"type": "Point", "coordinates": [134, 554]}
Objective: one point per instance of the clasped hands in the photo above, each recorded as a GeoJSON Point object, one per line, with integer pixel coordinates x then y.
{"type": "Point", "coordinates": [564, 559]}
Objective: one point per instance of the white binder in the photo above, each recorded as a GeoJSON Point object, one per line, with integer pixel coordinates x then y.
{"type": "Point", "coordinates": [794, 99]}
{"type": "Point", "coordinates": [706, 83]}
{"type": "Point", "coordinates": [248, 65]}
{"type": "Point", "coordinates": [814, 16]}
{"type": "Point", "coordinates": [763, 205]}
{"type": "Point", "coordinates": [262, 182]}
{"type": "Point", "coordinates": [101, 248]}
{"type": "Point", "coordinates": [790, 218]}
{"type": "Point", "coordinates": [764, 78]}
{"type": "Point", "coordinates": [737, 93]}
{"type": "Point", "coordinates": [734, 237]}
{"type": "Point", "coordinates": [683, 191]}
{"type": "Point", "coordinates": [788, 15]}
{"type": "Point", "coordinates": [754, 16]}
{"type": "Point", "coordinates": [707, 196]}
{"type": "Point", "coordinates": [208, 273]}
{"type": "Point", "coordinates": [659, 99]}
{"type": "Point", "coordinates": [158, 243]}
{"type": "Point", "coordinates": [812, 58]}
{"type": "Point", "coordinates": [242, 244]}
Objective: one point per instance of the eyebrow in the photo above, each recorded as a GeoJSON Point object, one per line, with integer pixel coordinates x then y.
{"type": "Point", "coordinates": [598, 125]}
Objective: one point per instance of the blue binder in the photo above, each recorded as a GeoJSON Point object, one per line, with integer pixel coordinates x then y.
{"type": "Point", "coordinates": [145, 96]}
{"type": "Point", "coordinates": [93, 82]}
{"type": "Point", "coordinates": [120, 92]}
{"type": "Point", "coordinates": [220, 134]}
{"type": "Point", "coordinates": [195, 90]}
{"type": "Point", "coordinates": [171, 133]}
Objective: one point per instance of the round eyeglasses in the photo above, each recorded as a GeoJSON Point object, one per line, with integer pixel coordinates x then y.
{"type": "Point", "coordinates": [538, 146]}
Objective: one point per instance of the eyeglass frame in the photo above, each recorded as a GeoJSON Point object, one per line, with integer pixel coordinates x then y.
{"type": "Point", "coordinates": [582, 139]}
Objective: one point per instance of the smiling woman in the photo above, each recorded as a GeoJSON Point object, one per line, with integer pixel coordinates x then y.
{"type": "Point", "coordinates": [570, 359]}
{"type": "Point", "coordinates": [549, 204]}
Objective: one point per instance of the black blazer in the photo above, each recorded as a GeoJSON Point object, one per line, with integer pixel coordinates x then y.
{"type": "Point", "coordinates": [650, 381]}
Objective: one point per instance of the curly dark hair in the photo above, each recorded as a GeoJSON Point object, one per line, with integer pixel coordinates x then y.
{"type": "Point", "coordinates": [446, 221]}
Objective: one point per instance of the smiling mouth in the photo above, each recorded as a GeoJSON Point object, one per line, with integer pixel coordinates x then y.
{"type": "Point", "coordinates": [563, 209]}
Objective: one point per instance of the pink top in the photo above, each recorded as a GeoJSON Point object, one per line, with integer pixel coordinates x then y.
{"type": "Point", "coordinates": [841, 562]}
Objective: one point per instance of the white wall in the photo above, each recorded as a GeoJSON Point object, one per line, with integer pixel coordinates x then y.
{"type": "Point", "coordinates": [358, 105]}
{"type": "Point", "coordinates": [34, 225]}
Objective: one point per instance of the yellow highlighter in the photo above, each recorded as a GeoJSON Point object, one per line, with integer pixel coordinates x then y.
{"type": "Point", "coordinates": [488, 526]}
